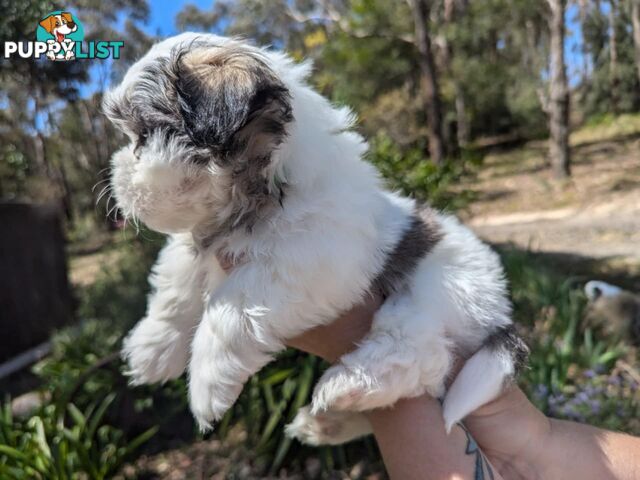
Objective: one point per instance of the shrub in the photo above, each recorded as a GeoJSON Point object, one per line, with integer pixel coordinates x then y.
{"type": "Point", "coordinates": [414, 175]}
{"type": "Point", "coordinates": [572, 374]}
{"type": "Point", "coordinates": [46, 447]}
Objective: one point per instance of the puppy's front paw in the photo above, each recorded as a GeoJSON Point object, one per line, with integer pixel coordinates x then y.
{"type": "Point", "coordinates": [154, 352]}
{"type": "Point", "coordinates": [209, 399]}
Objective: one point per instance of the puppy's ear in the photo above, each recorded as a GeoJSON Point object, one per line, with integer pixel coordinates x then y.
{"type": "Point", "coordinates": [48, 23]}
{"type": "Point", "coordinates": [232, 103]}
{"type": "Point", "coordinates": [69, 18]}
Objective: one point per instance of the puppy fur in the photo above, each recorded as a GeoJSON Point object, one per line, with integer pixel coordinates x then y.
{"type": "Point", "coordinates": [235, 156]}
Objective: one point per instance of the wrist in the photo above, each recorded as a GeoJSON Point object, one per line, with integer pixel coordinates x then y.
{"type": "Point", "coordinates": [514, 434]}
{"type": "Point", "coordinates": [532, 463]}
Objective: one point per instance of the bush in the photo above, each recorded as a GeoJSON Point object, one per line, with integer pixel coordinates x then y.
{"type": "Point", "coordinates": [44, 447]}
{"type": "Point", "coordinates": [572, 374]}
{"type": "Point", "coordinates": [414, 175]}
{"type": "Point", "coordinates": [94, 421]}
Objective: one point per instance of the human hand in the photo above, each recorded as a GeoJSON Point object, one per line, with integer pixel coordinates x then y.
{"type": "Point", "coordinates": [333, 340]}
{"type": "Point", "coordinates": [512, 433]}
{"type": "Point", "coordinates": [509, 429]}
{"type": "Point", "coordinates": [341, 336]}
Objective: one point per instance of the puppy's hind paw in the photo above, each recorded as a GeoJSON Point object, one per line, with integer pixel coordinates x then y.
{"type": "Point", "coordinates": [327, 428]}
{"type": "Point", "coordinates": [342, 388]}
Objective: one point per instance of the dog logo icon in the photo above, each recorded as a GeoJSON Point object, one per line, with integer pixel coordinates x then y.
{"type": "Point", "coordinates": [61, 30]}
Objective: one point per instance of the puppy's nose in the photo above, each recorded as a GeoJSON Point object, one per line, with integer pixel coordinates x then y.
{"type": "Point", "coordinates": [72, 26]}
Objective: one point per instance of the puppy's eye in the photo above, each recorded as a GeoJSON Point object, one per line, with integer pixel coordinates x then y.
{"type": "Point", "coordinates": [142, 138]}
{"type": "Point", "coordinates": [141, 141]}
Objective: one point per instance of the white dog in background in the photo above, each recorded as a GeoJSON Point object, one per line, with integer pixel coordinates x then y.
{"type": "Point", "coordinates": [235, 156]}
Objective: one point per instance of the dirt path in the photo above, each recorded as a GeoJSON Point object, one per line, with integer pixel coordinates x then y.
{"type": "Point", "coordinates": [596, 214]}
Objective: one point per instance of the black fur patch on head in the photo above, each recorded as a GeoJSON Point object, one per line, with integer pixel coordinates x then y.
{"type": "Point", "coordinates": [230, 101]}
{"type": "Point", "coordinates": [149, 106]}
{"type": "Point", "coordinates": [420, 237]}
{"type": "Point", "coordinates": [507, 340]}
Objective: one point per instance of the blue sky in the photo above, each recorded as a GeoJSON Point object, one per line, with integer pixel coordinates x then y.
{"type": "Point", "coordinates": [163, 13]}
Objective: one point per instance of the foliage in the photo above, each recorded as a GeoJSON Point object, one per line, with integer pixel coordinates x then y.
{"type": "Point", "coordinates": [572, 374]}
{"type": "Point", "coordinates": [45, 447]}
{"type": "Point", "coordinates": [605, 398]}
{"type": "Point", "coordinates": [270, 400]}
{"type": "Point", "coordinates": [93, 421]}
{"type": "Point", "coordinates": [607, 88]}
{"type": "Point", "coordinates": [410, 173]}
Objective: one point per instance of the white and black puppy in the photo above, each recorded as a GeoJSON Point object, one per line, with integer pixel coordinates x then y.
{"type": "Point", "coordinates": [235, 156]}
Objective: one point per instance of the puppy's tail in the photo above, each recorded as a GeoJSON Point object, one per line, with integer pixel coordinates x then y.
{"type": "Point", "coordinates": [485, 374]}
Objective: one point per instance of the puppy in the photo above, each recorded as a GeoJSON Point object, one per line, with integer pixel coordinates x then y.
{"type": "Point", "coordinates": [234, 156]}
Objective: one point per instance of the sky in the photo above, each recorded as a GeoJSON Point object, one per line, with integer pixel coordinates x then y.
{"type": "Point", "coordinates": [163, 14]}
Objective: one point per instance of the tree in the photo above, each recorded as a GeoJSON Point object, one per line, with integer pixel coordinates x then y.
{"type": "Point", "coordinates": [429, 80]}
{"type": "Point", "coordinates": [52, 141]}
{"type": "Point", "coordinates": [613, 55]}
{"type": "Point", "coordinates": [635, 20]}
{"type": "Point", "coordinates": [451, 7]}
{"type": "Point", "coordinates": [558, 105]}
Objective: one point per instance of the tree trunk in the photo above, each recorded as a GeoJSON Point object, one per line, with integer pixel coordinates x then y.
{"type": "Point", "coordinates": [583, 13]}
{"type": "Point", "coordinates": [613, 56]}
{"type": "Point", "coordinates": [429, 80]}
{"type": "Point", "coordinates": [558, 94]}
{"type": "Point", "coordinates": [635, 19]}
{"type": "Point", "coordinates": [462, 123]}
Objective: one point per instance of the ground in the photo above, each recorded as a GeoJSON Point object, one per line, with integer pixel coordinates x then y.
{"type": "Point", "coordinates": [595, 214]}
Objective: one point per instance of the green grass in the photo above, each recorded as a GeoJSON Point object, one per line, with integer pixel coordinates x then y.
{"type": "Point", "coordinates": [607, 127]}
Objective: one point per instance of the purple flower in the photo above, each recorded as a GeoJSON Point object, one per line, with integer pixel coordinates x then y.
{"type": "Point", "coordinates": [582, 397]}
{"type": "Point", "coordinates": [614, 381]}
{"type": "Point", "coordinates": [541, 391]}
{"type": "Point", "coordinates": [589, 373]}
{"type": "Point", "coordinates": [593, 391]}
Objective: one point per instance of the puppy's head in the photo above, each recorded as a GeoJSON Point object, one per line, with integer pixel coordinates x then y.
{"type": "Point", "coordinates": [205, 116]}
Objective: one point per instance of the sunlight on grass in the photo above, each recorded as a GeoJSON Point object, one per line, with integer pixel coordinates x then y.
{"type": "Point", "coordinates": [607, 127]}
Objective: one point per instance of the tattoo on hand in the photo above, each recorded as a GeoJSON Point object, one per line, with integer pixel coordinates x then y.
{"type": "Point", "coordinates": [483, 470]}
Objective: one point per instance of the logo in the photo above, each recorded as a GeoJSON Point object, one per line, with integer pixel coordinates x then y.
{"type": "Point", "coordinates": [60, 37]}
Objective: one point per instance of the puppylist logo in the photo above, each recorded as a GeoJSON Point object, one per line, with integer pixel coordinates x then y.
{"type": "Point", "coordinates": [60, 37]}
